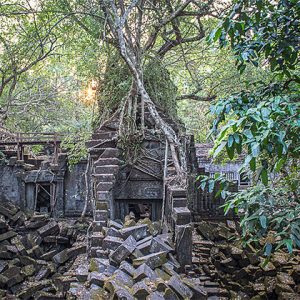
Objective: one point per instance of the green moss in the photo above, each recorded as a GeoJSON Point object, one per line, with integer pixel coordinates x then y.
{"type": "Point", "coordinates": [117, 81]}
{"type": "Point", "coordinates": [93, 266]}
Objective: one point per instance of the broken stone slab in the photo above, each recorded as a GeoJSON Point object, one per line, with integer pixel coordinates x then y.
{"type": "Point", "coordinates": [161, 284]}
{"type": "Point", "coordinates": [180, 288]}
{"type": "Point", "coordinates": [63, 282]}
{"type": "Point", "coordinates": [169, 294]}
{"type": "Point", "coordinates": [123, 278]}
{"type": "Point", "coordinates": [7, 235]}
{"type": "Point", "coordinates": [174, 262]}
{"type": "Point", "coordinates": [181, 215]}
{"type": "Point", "coordinates": [79, 291]}
{"type": "Point", "coordinates": [184, 244]}
{"type": "Point", "coordinates": [98, 265]}
{"type": "Point", "coordinates": [157, 245]}
{"type": "Point", "coordinates": [97, 278]}
{"type": "Point", "coordinates": [51, 228]}
{"type": "Point", "coordinates": [56, 239]}
{"type": "Point", "coordinates": [61, 257]}
{"type": "Point", "coordinates": [32, 287]}
{"type": "Point", "coordinates": [140, 290]}
{"type": "Point", "coordinates": [198, 291]}
{"type": "Point", "coordinates": [112, 243]}
{"type": "Point", "coordinates": [43, 273]}
{"type": "Point", "coordinates": [49, 255]}
{"type": "Point", "coordinates": [8, 210]}
{"type": "Point", "coordinates": [124, 250]}
{"type": "Point", "coordinates": [162, 274]}
{"type": "Point", "coordinates": [3, 265]}
{"type": "Point", "coordinates": [169, 269]}
{"type": "Point", "coordinates": [285, 278]}
{"type": "Point", "coordinates": [127, 268]}
{"type": "Point", "coordinates": [156, 296]}
{"type": "Point", "coordinates": [11, 277]}
{"type": "Point", "coordinates": [138, 232]}
{"type": "Point", "coordinates": [122, 293]}
{"type": "Point", "coordinates": [76, 250]}
{"type": "Point", "coordinates": [114, 224]}
{"type": "Point", "coordinates": [153, 260]}
{"type": "Point", "coordinates": [97, 239]}
{"type": "Point", "coordinates": [144, 248]}
{"type": "Point", "coordinates": [82, 272]}
{"type": "Point", "coordinates": [144, 271]}
{"type": "Point", "coordinates": [111, 231]}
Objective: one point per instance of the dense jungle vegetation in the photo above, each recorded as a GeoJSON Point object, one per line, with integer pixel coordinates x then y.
{"type": "Point", "coordinates": [228, 69]}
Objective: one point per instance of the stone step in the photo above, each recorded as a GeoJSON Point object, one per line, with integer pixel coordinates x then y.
{"type": "Point", "coordinates": [178, 193]}
{"type": "Point", "coordinates": [104, 196]}
{"type": "Point", "coordinates": [107, 169]}
{"type": "Point", "coordinates": [110, 153]}
{"type": "Point", "coordinates": [100, 144]}
{"type": "Point", "coordinates": [215, 291]}
{"type": "Point", "coordinates": [179, 202]}
{"type": "Point", "coordinates": [100, 215]}
{"type": "Point", "coordinates": [96, 239]}
{"type": "Point", "coordinates": [97, 226]}
{"type": "Point", "coordinates": [104, 135]}
{"type": "Point", "coordinates": [204, 243]}
{"type": "Point", "coordinates": [106, 161]}
{"type": "Point", "coordinates": [104, 178]}
{"type": "Point", "coordinates": [101, 205]}
{"type": "Point", "coordinates": [105, 186]}
{"type": "Point", "coordinates": [203, 250]}
{"type": "Point", "coordinates": [211, 284]}
{"type": "Point", "coordinates": [104, 152]}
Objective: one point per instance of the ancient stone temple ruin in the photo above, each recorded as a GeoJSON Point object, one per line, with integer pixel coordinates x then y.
{"type": "Point", "coordinates": [123, 227]}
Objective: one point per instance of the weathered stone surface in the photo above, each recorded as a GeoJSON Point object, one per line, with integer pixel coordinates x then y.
{"type": "Point", "coordinates": [7, 235]}
{"type": "Point", "coordinates": [61, 257]}
{"type": "Point", "coordinates": [124, 250]}
{"type": "Point", "coordinates": [51, 228]}
{"type": "Point", "coordinates": [138, 232]}
{"type": "Point", "coordinates": [127, 268]}
{"type": "Point", "coordinates": [82, 272]}
{"type": "Point", "coordinates": [157, 245]}
{"type": "Point", "coordinates": [144, 271]}
{"type": "Point", "coordinates": [31, 288]}
{"type": "Point", "coordinates": [183, 238]}
{"type": "Point", "coordinates": [155, 296]}
{"type": "Point", "coordinates": [153, 260]}
{"type": "Point", "coordinates": [114, 232]}
{"type": "Point", "coordinates": [285, 278]}
{"type": "Point", "coordinates": [115, 225]}
{"type": "Point", "coordinates": [198, 291]}
{"type": "Point", "coordinates": [181, 289]}
{"type": "Point", "coordinates": [97, 278]}
{"type": "Point", "coordinates": [112, 243]}
{"type": "Point", "coordinates": [122, 293]}
{"type": "Point", "coordinates": [140, 290]}
{"type": "Point", "coordinates": [123, 278]}
{"type": "Point", "coordinates": [181, 215]}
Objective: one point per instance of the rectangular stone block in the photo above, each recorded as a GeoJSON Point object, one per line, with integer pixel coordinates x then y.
{"type": "Point", "coordinates": [124, 250]}
{"type": "Point", "coordinates": [138, 232]}
{"type": "Point", "coordinates": [184, 244]}
{"type": "Point", "coordinates": [112, 243]}
{"type": "Point", "coordinates": [181, 215]}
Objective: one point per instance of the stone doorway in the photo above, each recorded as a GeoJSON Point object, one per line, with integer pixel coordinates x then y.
{"type": "Point", "coordinates": [43, 197]}
{"type": "Point", "coordinates": [141, 208]}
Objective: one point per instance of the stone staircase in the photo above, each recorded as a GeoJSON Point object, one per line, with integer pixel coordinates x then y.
{"type": "Point", "coordinates": [105, 168]}
{"type": "Point", "coordinates": [204, 270]}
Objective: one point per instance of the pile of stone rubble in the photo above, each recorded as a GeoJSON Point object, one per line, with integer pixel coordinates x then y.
{"type": "Point", "coordinates": [35, 253]}
{"type": "Point", "coordinates": [244, 272]}
{"type": "Point", "coordinates": [134, 262]}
